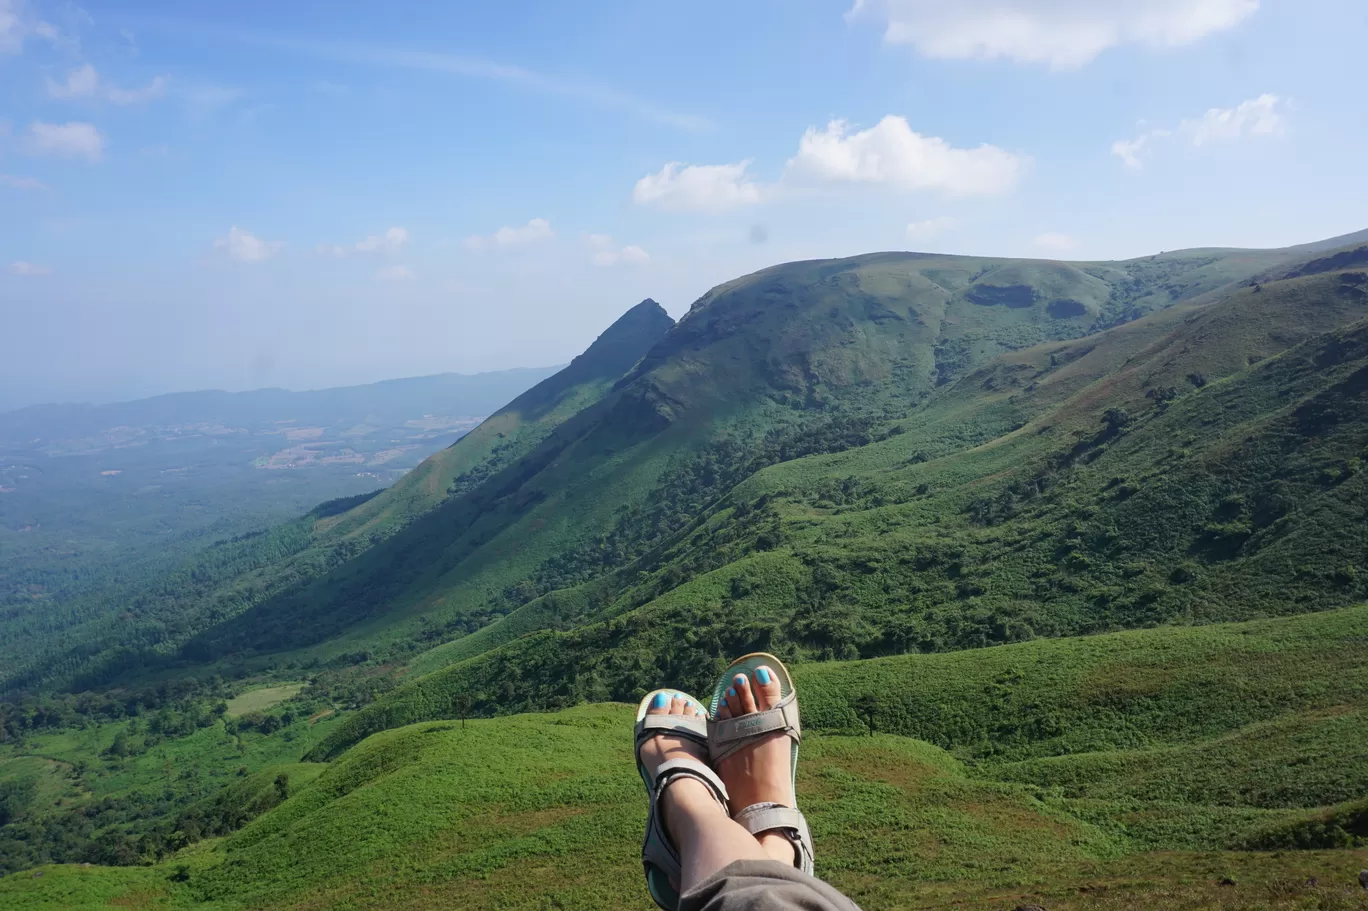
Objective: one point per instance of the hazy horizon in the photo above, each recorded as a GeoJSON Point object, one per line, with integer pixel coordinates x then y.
{"type": "Point", "coordinates": [309, 196]}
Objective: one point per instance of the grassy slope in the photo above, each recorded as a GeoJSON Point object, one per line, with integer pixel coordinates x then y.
{"type": "Point", "coordinates": [869, 335]}
{"type": "Point", "coordinates": [1232, 499]}
{"type": "Point", "coordinates": [530, 810]}
{"type": "Point", "coordinates": [323, 542]}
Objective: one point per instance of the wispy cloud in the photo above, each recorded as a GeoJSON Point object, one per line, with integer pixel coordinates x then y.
{"type": "Point", "coordinates": [66, 140]}
{"type": "Point", "coordinates": [85, 82]}
{"type": "Point", "coordinates": [508, 236]}
{"type": "Point", "coordinates": [588, 91]}
{"type": "Point", "coordinates": [246, 247]}
{"type": "Point", "coordinates": [1064, 34]}
{"type": "Point", "coordinates": [1261, 116]}
{"type": "Point", "coordinates": [389, 242]}
{"type": "Point", "coordinates": [395, 274]}
{"type": "Point", "coordinates": [21, 183]}
{"type": "Point", "coordinates": [18, 23]}
{"type": "Point", "coordinates": [28, 269]}
{"type": "Point", "coordinates": [608, 253]}
{"type": "Point", "coordinates": [697, 188]}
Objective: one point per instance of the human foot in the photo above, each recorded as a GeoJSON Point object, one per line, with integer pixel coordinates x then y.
{"type": "Point", "coordinates": [761, 771]}
{"type": "Point", "coordinates": [672, 757]}
{"type": "Point", "coordinates": [662, 748]}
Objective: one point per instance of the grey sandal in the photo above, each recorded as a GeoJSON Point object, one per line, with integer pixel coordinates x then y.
{"type": "Point", "coordinates": [658, 855]}
{"type": "Point", "coordinates": [727, 735]}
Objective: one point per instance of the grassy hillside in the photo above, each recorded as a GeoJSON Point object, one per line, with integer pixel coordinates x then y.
{"type": "Point", "coordinates": [833, 351]}
{"type": "Point", "coordinates": [532, 811]}
{"type": "Point", "coordinates": [216, 584]}
{"type": "Point", "coordinates": [1175, 469]}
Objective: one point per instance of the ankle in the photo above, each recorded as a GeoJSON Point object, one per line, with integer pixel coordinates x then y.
{"type": "Point", "coordinates": [778, 847]}
{"type": "Point", "coordinates": [684, 803]}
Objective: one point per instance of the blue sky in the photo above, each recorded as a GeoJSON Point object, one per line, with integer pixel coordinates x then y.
{"type": "Point", "coordinates": [198, 195]}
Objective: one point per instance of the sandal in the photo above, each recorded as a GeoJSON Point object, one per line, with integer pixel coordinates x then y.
{"type": "Point", "coordinates": [728, 735]}
{"type": "Point", "coordinates": [658, 854]}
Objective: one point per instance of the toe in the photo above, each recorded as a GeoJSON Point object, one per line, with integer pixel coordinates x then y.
{"type": "Point", "coordinates": [743, 693]}
{"type": "Point", "coordinates": [660, 704]}
{"type": "Point", "coordinates": [733, 702]}
{"type": "Point", "coordinates": [766, 688]}
{"type": "Point", "coordinates": [723, 711]}
{"type": "Point", "coordinates": [677, 704]}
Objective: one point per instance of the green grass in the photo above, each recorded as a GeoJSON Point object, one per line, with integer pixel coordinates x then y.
{"type": "Point", "coordinates": [533, 811]}
{"type": "Point", "coordinates": [262, 698]}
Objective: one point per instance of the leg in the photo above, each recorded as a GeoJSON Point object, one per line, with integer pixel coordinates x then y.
{"type": "Point", "coordinates": [706, 838]}
{"type": "Point", "coordinates": [761, 772]}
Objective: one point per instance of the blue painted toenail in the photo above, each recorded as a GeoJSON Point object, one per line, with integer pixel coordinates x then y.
{"type": "Point", "coordinates": [731, 694]}
{"type": "Point", "coordinates": [762, 674]}
{"type": "Point", "coordinates": [740, 680]}
{"type": "Point", "coordinates": [661, 700]}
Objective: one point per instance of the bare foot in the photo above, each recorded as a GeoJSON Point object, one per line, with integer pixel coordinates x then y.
{"type": "Point", "coordinates": [684, 795]}
{"type": "Point", "coordinates": [761, 771]}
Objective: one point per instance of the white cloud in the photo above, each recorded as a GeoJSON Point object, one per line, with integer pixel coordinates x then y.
{"type": "Point", "coordinates": [82, 82]}
{"type": "Point", "coordinates": [931, 227]}
{"type": "Point", "coordinates": [698, 188]}
{"type": "Point", "coordinates": [23, 268]}
{"type": "Point", "coordinates": [1057, 243]}
{"type": "Point", "coordinates": [395, 274]}
{"type": "Point", "coordinates": [1255, 117]}
{"type": "Point", "coordinates": [246, 247]}
{"type": "Point", "coordinates": [389, 242]}
{"type": "Point", "coordinates": [21, 183]}
{"type": "Point", "coordinates": [608, 253]}
{"type": "Point", "coordinates": [1061, 33]}
{"type": "Point", "coordinates": [68, 140]}
{"type": "Point", "coordinates": [535, 230]}
{"type": "Point", "coordinates": [892, 153]}
{"type": "Point", "coordinates": [150, 92]}
{"type": "Point", "coordinates": [17, 24]}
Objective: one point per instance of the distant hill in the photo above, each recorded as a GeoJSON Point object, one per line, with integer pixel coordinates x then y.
{"type": "Point", "coordinates": [98, 499]}
{"type": "Point", "coordinates": [180, 593]}
{"type": "Point", "coordinates": [389, 402]}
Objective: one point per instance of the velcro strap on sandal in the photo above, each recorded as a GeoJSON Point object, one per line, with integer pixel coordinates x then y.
{"type": "Point", "coordinates": [788, 821]}
{"type": "Point", "coordinates": [694, 727]}
{"type": "Point", "coordinates": [783, 717]}
{"type": "Point", "coordinates": [691, 768]}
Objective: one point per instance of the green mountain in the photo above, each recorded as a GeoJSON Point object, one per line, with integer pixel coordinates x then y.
{"type": "Point", "coordinates": [1200, 463]}
{"type": "Point", "coordinates": [1140, 483]}
{"type": "Point", "coordinates": [788, 359]}
{"type": "Point", "coordinates": [207, 586]}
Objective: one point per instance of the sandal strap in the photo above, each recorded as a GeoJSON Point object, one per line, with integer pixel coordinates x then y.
{"type": "Point", "coordinates": [690, 768]}
{"type": "Point", "coordinates": [727, 735]}
{"type": "Point", "coordinates": [694, 727]}
{"type": "Point", "coordinates": [788, 821]}
{"type": "Point", "coordinates": [658, 853]}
